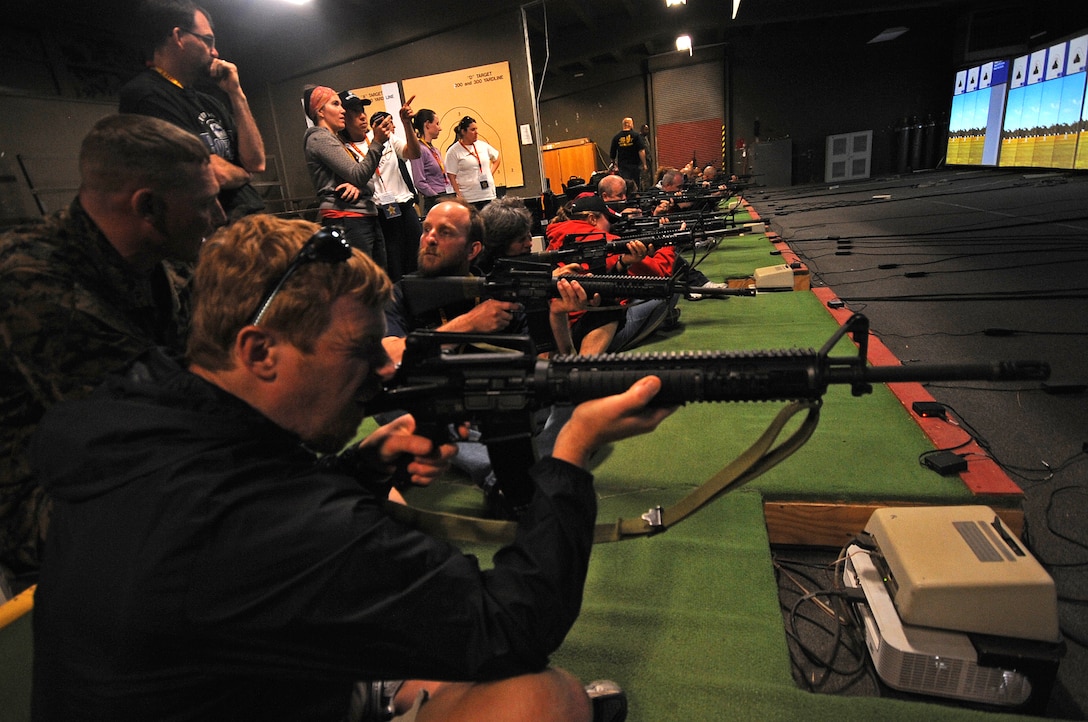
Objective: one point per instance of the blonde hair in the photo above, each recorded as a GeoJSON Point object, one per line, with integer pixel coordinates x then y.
{"type": "Point", "coordinates": [243, 260]}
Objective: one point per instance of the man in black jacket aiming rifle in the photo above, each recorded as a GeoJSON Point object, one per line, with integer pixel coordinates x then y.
{"type": "Point", "coordinates": [216, 567]}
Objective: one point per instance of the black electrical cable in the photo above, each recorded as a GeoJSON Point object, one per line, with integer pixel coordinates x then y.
{"type": "Point", "coordinates": [831, 623]}
{"type": "Point", "coordinates": [1021, 471]}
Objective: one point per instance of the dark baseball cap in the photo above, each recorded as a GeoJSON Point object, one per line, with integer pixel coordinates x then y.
{"type": "Point", "coordinates": [379, 117]}
{"type": "Point", "coordinates": [592, 203]}
{"type": "Point", "coordinates": [351, 101]}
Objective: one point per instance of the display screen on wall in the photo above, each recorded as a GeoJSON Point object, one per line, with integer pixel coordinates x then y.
{"type": "Point", "coordinates": [1077, 77]}
{"type": "Point", "coordinates": [974, 123]}
{"type": "Point", "coordinates": [486, 94]}
{"type": "Point", "coordinates": [1045, 112]}
{"type": "Point", "coordinates": [1029, 112]}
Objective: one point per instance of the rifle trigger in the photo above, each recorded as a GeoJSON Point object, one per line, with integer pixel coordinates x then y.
{"type": "Point", "coordinates": [654, 518]}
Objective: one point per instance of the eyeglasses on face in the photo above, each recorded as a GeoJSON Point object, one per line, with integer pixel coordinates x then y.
{"type": "Point", "coordinates": [208, 40]}
{"type": "Point", "coordinates": [328, 245]}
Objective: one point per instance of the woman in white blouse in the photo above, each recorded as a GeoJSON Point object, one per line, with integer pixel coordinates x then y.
{"type": "Point", "coordinates": [471, 164]}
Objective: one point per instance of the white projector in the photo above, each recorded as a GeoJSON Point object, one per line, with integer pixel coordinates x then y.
{"type": "Point", "coordinates": [924, 660]}
{"type": "Point", "coordinates": [774, 277]}
{"type": "Point", "coordinates": [958, 568]}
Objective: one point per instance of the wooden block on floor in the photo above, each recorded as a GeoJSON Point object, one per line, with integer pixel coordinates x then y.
{"type": "Point", "coordinates": [834, 525]}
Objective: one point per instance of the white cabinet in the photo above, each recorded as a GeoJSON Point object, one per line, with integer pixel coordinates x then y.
{"type": "Point", "coordinates": [849, 156]}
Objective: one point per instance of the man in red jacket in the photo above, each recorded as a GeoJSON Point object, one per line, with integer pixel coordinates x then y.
{"type": "Point", "coordinates": [627, 323]}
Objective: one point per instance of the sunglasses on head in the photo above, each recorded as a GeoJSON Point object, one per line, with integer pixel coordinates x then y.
{"type": "Point", "coordinates": [328, 245]}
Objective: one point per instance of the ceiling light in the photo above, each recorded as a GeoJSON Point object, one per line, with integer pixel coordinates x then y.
{"type": "Point", "coordinates": [736, 7]}
{"type": "Point", "coordinates": [888, 34]}
{"type": "Point", "coordinates": [670, 3]}
{"type": "Point", "coordinates": [684, 43]}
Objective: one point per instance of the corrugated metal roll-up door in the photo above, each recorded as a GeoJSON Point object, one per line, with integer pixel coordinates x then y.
{"type": "Point", "coordinates": [689, 112]}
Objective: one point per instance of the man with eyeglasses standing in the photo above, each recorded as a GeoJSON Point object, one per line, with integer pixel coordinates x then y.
{"type": "Point", "coordinates": [180, 46]}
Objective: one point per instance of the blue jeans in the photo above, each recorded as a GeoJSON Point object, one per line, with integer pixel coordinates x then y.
{"type": "Point", "coordinates": [472, 457]}
{"type": "Point", "coordinates": [643, 317]}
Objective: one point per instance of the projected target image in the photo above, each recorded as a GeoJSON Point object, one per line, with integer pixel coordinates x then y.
{"type": "Point", "coordinates": [1077, 64]}
{"type": "Point", "coordinates": [974, 124]}
{"type": "Point", "coordinates": [1045, 115]}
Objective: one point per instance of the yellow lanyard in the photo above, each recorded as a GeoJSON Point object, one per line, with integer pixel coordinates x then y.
{"type": "Point", "coordinates": [168, 76]}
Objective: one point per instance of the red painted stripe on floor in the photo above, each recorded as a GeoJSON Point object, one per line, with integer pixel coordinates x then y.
{"type": "Point", "coordinates": [983, 475]}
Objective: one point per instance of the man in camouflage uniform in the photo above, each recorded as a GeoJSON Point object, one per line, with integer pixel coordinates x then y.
{"type": "Point", "coordinates": [90, 288]}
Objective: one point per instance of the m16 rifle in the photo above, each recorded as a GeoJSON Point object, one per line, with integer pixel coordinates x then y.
{"type": "Point", "coordinates": [530, 283]}
{"type": "Point", "coordinates": [500, 391]}
{"type": "Point", "coordinates": [693, 200]}
{"type": "Point", "coordinates": [593, 248]}
{"type": "Point", "coordinates": [700, 225]}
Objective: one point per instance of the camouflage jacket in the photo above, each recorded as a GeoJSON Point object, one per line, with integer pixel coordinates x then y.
{"type": "Point", "coordinates": [71, 311]}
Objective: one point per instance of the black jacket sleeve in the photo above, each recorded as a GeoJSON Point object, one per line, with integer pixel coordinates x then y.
{"type": "Point", "coordinates": [358, 592]}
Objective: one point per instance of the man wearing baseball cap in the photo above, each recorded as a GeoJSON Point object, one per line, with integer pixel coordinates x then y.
{"type": "Point", "coordinates": [627, 323]}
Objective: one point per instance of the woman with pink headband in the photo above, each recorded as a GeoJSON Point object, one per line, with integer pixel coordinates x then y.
{"type": "Point", "coordinates": [341, 175]}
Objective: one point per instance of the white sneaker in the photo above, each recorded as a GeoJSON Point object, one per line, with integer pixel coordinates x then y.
{"type": "Point", "coordinates": [609, 701]}
{"type": "Point", "coordinates": [707, 285]}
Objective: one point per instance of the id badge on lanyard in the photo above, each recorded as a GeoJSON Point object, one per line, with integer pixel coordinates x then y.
{"type": "Point", "coordinates": [388, 205]}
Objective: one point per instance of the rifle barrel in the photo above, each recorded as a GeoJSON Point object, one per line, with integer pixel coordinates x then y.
{"type": "Point", "coordinates": [992, 371]}
{"type": "Point", "coordinates": [783, 375]}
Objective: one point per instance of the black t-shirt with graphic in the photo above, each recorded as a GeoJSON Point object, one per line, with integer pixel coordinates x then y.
{"type": "Point", "coordinates": [202, 115]}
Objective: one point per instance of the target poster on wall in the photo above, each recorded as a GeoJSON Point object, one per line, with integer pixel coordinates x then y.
{"type": "Point", "coordinates": [484, 93]}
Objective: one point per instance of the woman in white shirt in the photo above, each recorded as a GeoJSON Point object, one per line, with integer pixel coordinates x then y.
{"type": "Point", "coordinates": [471, 164]}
